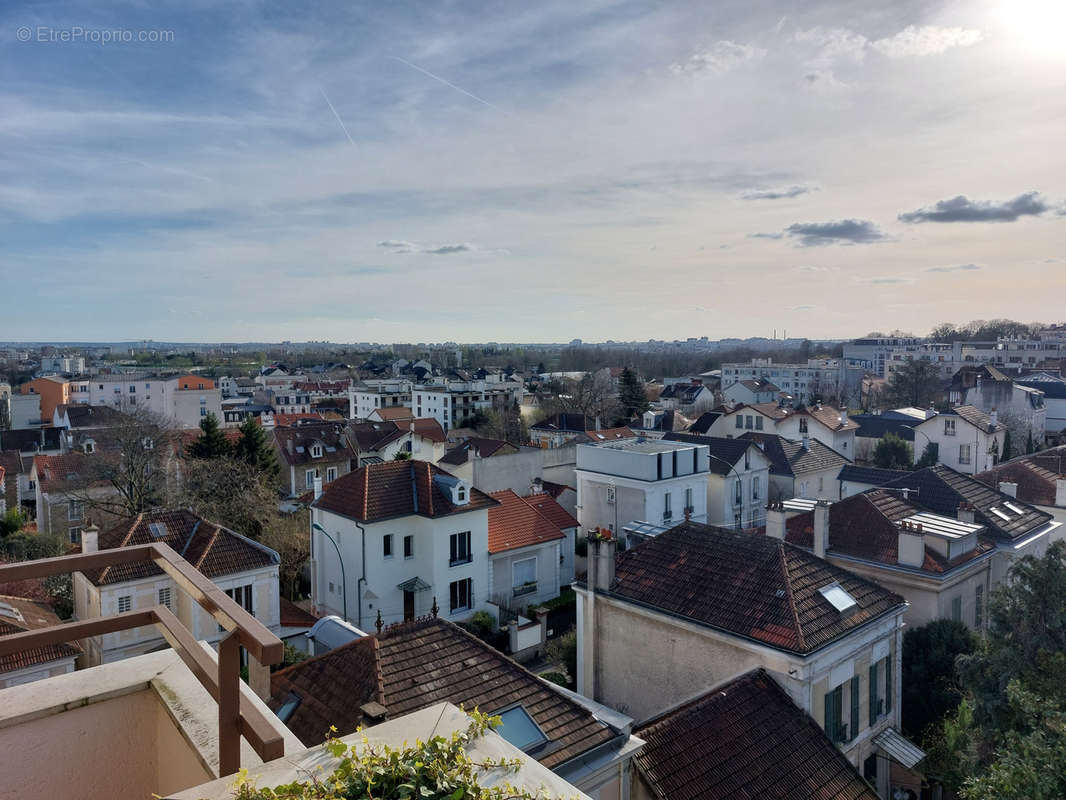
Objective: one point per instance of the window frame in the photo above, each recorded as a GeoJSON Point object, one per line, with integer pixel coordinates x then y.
{"type": "Point", "coordinates": [457, 542]}
{"type": "Point", "coordinates": [456, 590]}
{"type": "Point", "coordinates": [408, 546]}
{"type": "Point", "coordinates": [386, 546]}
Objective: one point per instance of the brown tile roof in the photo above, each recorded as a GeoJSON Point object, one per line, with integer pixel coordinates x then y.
{"type": "Point", "coordinates": [607, 434]}
{"type": "Point", "coordinates": [486, 448]}
{"type": "Point", "coordinates": [369, 436]}
{"type": "Point", "coordinates": [414, 665]}
{"type": "Point", "coordinates": [288, 420]}
{"type": "Point", "coordinates": [828, 416]}
{"type": "Point", "coordinates": [67, 471]}
{"type": "Point", "coordinates": [751, 586]}
{"type": "Point", "coordinates": [515, 523]}
{"type": "Point", "coordinates": [394, 413]}
{"type": "Point", "coordinates": [213, 550]}
{"type": "Point", "coordinates": [427, 428]}
{"type": "Point", "coordinates": [84, 416]}
{"type": "Point", "coordinates": [565, 422]}
{"type": "Point", "coordinates": [771, 410]}
{"type": "Point", "coordinates": [19, 614]}
{"type": "Point", "coordinates": [546, 505]}
{"type": "Point", "coordinates": [292, 616]}
{"type": "Point", "coordinates": [1035, 475]}
{"type": "Point", "coordinates": [746, 739]}
{"type": "Point", "coordinates": [295, 443]}
{"type": "Point", "coordinates": [864, 526]}
{"type": "Point", "coordinates": [396, 489]}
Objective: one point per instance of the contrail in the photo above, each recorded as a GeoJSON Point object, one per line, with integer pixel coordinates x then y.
{"type": "Point", "coordinates": [451, 85]}
{"type": "Point", "coordinates": [338, 116]}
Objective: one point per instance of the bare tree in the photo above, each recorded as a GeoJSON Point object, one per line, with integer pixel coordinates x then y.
{"type": "Point", "coordinates": [231, 492]}
{"type": "Point", "coordinates": [288, 535]}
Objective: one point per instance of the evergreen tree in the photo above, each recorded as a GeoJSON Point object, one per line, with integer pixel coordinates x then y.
{"type": "Point", "coordinates": [892, 452]}
{"type": "Point", "coordinates": [1008, 447]}
{"type": "Point", "coordinates": [254, 449]}
{"type": "Point", "coordinates": [631, 395]}
{"type": "Point", "coordinates": [930, 456]}
{"type": "Point", "coordinates": [211, 443]}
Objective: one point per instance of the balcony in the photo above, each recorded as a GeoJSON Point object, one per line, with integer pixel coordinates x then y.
{"type": "Point", "coordinates": [525, 588]}
{"type": "Point", "coordinates": [61, 707]}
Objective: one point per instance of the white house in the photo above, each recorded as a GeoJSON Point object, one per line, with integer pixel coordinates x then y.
{"type": "Point", "coordinates": [1054, 389]}
{"type": "Point", "coordinates": [967, 440]}
{"type": "Point", "coordinates": [526, 553]}
{"type": "Point", "coordinates": [751, 391]}
{"type": "Point", "coordinates": [827, 424]}
{"type": "Point", "coordinates": [394, 537]}
{"type": "Point", "coordinates": [738, 482]}
{"type": "Point", "coordinates": [1020, 407]}
{"type": "Point", "coordinates": [362, 400]}
{"type": "Point", "coordinates": [806, 468]}
{"type": "Point", "coordinates": [244, 569]}
{"type": "Point", "coordinates": [640, 479]}
{"type": "Point", "coordinates": [21, 614]}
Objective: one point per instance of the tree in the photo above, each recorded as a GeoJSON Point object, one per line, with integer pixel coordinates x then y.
{"type": "Point", "coordinates": [631, 395]}
{"type": "Point", "coordinates": [930, 456]}
{"type": "Point", "coordinates": [401, 455]}
{"type": "Point", "coordinates": [914, 383]}
{"type": "Point", "coordinates": [253, 448]}
{"type": "Point", "coordinates": [507, 425]}
{"type": "Point", "coordinates": [12, 522]}
{"type": "Point", "coordinates": [211, 443]}
{"type": "Point", "coordinates": [930, 687]}
{"type": "Point", "coordinates": [230, 492]}
{"type": "Point", "coordinates": [892, 452]}
{"type": "Point", "coordinates": [287, 534]}
{"type": "Point", "coordinates": [1008, 447]}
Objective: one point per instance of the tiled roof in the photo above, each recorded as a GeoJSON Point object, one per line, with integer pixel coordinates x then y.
{"type": "Point", "coordinates": [517, 523]}
{"type": "Point", "coordinates": [546, 505]}
{"type": "Point", "coordinates": [704, 422]}
{"type": "Point", "coordinates": [863, 526]}
{"type": "Point", "coordinates": [30, 615]}
{"type": "Point", "coordinates": [828, 416]}
{"type": "Point", "coordinates": [683, 392]}
{"type": "Point", "coordinates": [1053, 387]}
{"type": "Point", "coordinates": [748, 585]}
{"type": "Point", "coordinates": [723, 451]}
{"type": "Point", "coordinates": [556, 489]}
{"type": "Point", "coordinates": [941, 489]}
{"type": "Point", "coordinates": [30, 440]}
{"type": "Point", "coordinates": [369, 436]}
{"type": "Point", "coordinates": [789, 457]}
{"type": "Point", "coordinates": [1035, 475]}
{"type": "Point", "coordinates": [875, 426]}
{"type": "Point", "coordinates": [979, 419]}
{"type": "Point", "coordinates": [772, 410]}
{"type": "Point", "coordinates": [213, 550]}
{"type": "Point", "coordinates": [484, 447]}
{"type": "Point", "coordinates": [427, 428]}
{"type": "Point", "coordinates": [58, 473]}
{"type": "Point", "coordinates": [82, 416]}
{"type": "Point", "coordinates": [292, 616]}
{"type": "Point", "coordinates": [570, 423]}
{"type": "Point", "coordinates": [875, 476]}
{"type": "Point", "coordinates": [395, 489]}
{"type": "Point", "coordinates": [394, 413]}
{"type": "Point", "coordinates": [331, 435]}
{"type": "Point", "coordinates": [413, 665]}
{"type": "Point", "coordinates": [746, 739]}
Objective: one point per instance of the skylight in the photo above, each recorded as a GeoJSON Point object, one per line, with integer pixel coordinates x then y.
{"type": "Point", "coordinates": [292, 702]}
{"type": "Point", "coordinates": [10, 611]}
{"type": "Point", "coordinates": [838, 598]}
{"type": "Point", "coordinates": [1014, 508]}
{"type": "Point", "coordinates": [1000, 514]}
{"type": "Point", "coordinates": [519, 729]}
{"type": "Point", "coordinates": [157, 529]}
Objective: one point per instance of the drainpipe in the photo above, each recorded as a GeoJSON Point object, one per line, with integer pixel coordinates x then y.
{"type": "Point", "coordinates": [362, 579]}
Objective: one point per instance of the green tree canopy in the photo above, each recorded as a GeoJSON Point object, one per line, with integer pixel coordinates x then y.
{"type": "Point", "coordinates": [253, 448]}
{"type": "Point", "coordinates": [212, 442]}
{"type": "Point", "coordinates": [892, 452]}
{"type": "Point", "coordinates": [915, 383]}
{"type": "Point", "coordinates": [930, 685]}
{"type": "Point", "coordinates": [631, 395]}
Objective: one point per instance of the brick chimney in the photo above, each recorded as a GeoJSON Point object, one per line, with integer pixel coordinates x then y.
{"type": "Point", "coordinates": [775, 520]}
{"type": "Point", "coordinates": [821, 527]}
{"type": "Point", "coordinates": [1009, 487]}
{"type": "Point", "coordinates": [601, 569]}
{"type": "Point", "coordinates": [965, 512]}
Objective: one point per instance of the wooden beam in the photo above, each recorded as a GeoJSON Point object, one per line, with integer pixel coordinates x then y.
{"type": "Point", "coordinates": [229, 709]}
{"type": "Point", "coordinates": [72, 631]}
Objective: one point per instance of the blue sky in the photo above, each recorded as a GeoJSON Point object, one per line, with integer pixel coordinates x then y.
{"type": "Point", "coordinates": [529, 172]}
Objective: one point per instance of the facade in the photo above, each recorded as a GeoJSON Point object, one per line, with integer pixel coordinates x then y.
{"type": "Point", "coordinates": [873, 354]}
{"type": "Point", "coordinates": [691, 399]}
{"type": "Point", "coordinates": [310, 451]}
{"type": "Point", "coordinates": [62, 485]}
{"type": "Point", "coordinates": [1054, 389]}
{"type": "Point", "coordinates": [392, 538]}
{"type": "Point", "coordinates": [738, 481]}
{"type": "Point", "coordinates": [750, 392]}
{"type": "Point", "coordinates": [244, 569]}
{"type": "Point", "coordinates": [526, 553]}
{"type": "Point", "coordinates": [855, 480]}
{"type": "Point", "coordinates": [52, 390]}
{"type": "Point", "coordinates": [181, 399]}
{"type": "Point", "coordinates": [1020, 407]}
{"type": "Point", "coordinates": [64, 365]}
{"type": "Point", "coordinates": [967, 439]}
{"type": "Point", "coordinates": [633, 479]}
{"type": "Point", "coordinates": [363, 400]}
{"type": "Point", "coordinates": [818, 379]}
{"type": "Point", "coordinates": [806, 469]}
{"type": "Point", "coordinates": [831, 639]}
{"type": "Point", "coordinates": [21, 614]}
{"type": "Point", "coordinates": [558, 429]}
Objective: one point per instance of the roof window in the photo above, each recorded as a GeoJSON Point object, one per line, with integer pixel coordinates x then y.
{"type": "Point", "coordinates": [838, 598]}
{"type": "Point", "coordinates": [519, 729]}
{"type": "Point", "coordinates": [157, 529]}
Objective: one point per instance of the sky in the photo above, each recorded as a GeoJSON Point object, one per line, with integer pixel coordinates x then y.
{"type": "Point", "coordinates": [462, 171]}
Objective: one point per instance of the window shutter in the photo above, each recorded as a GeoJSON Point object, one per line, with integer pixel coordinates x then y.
{"type": "Point", "coordinates": [830, 717]}
{"type": "Point", "coordinates": [854, 729]}
{"type": "Point", "coordinates": [873, 694]}
{"type": "Point", "coordinates": [888, 683]}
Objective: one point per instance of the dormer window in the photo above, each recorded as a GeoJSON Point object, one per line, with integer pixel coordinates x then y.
{"type": "Point", "coordinates": [316, 451]}
{"type": "Point", "coordinates": [460, 493]}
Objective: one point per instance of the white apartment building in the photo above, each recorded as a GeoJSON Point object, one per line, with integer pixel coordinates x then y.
{"type": "Point", "coordinates": [967, 439]}
{"type": "Point", "coordinates": [66, 365]}
{"type": "Point", "coordinates": [391, 539]}
{"type": "Point", "coordinates": [873, 354]}
{"type": "Point", "coordinates": [656, 481]}
{"type": "Point", "coordinates": [738, 482]}
{"type": "Point", "coordinates": [183, 399]}
{"type": "Point", "coordinates": [363, 400]}
{"type": "Point", "coordinates": [819, 378]}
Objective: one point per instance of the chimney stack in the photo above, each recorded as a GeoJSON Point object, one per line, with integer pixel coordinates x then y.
{"type": "Point", "coordinates": [965, 512]}
{"type": "Point", "coordinates": [1008, 487]}
{"type": "Point", "coordinates": [602, 549]}
{"type": "Point", "coordinates": [775, 521]}
{"type": "Point", "coordinates": [288, 445]}
{"type": "Point", "coordinates": [806, 441]}
{"type": "Point", "coordinates": [90, 539]}
{"type": "Point", "coordinates": [821, 527]}
{"type": "Point", "coordinates": [318, 486]}
{"type": "Point", "coordinates": [993, 418]}
{"type": "Point", "coordinates": [910, 545]}
{"type": "Point", "coordinates": [1060, 492]}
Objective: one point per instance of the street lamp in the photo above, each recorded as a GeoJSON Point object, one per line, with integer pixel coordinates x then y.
{"type": "Point", "coordinates": [344, 580]}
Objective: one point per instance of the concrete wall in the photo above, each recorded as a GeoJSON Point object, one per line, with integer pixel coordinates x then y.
{"type": "Point", "coordinates": [514, 471]}
{"type": "Point", "coordinates": [501, 575]}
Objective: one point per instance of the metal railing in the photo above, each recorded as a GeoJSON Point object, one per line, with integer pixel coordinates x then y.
{"type": "Point", "coordinates": [236, 715]}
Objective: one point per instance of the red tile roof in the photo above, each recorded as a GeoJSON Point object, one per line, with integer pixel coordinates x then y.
{"type": "Point", "coordinates": [288, 420]}
{"type": "Point", "coordinates": [414, 665]}
{"type": "Point", "coordinates": [394, 413]}
{"type": "Point", "coordinates": [746, 739]}
{"type": "Point", "coordinates": [73, 470]}
{"type": "Point", "coordinates": [516, 523]}
{"type": "Point", "coordinates": [292, 616]}
{"type": "Point", "coordinates": [28, 615]}
{"type": "Point", "coordinates": [828, 416]}
{"type": "Point", "coordinates": [295, 443]}
{"type": "Point", "coordinates": [427, 428]}
{"type": "Point", "coordinates": [213, 550]}
{"type": "Point", "coordinates": [748, 585]}
{"type": "Point", "coordinates": [396, 489]}
{"type": "Point", "coordinates": [546, 505]}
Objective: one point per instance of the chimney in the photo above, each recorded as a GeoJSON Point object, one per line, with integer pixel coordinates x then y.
{"type": "Point", "coordinates": [821, 528]}
{"type": "Point", "coordinates": [992, 419]}
{"type": "Point", "coordinates": [844, 416]}
{"type": "Point", "coordinates": [1060, 492]}
{"type": "Point", "coordinates": [775, 521]}
{"type": "Point", "coordinates": [930, 412]}
{"type": "Point", "coordinates": [318, 486]}
{"type": "Point", "coordinates": [288, 445]}
{"type": "Point", "coordinates": [806, 441]}
{"type": "Point", "coordinates": [910, 545]}
{"type": "Point", "coordinates": [1007, 487]}
{"type": "Point", "coordinates": [965, 512]}
{"type": "Point", "coordinates": [90, 539]}
{"type": "Point", "coordinates": [536, 486]}
{"type": "Point", "coordinates": [601, 572]}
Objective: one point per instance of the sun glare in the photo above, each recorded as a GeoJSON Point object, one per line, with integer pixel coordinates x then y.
{"type": "Point", "coordinates": [1039, 25]}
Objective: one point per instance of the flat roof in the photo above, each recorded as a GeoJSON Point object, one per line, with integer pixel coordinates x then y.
{"type": "Point", "coordinates": [639, 445]}
{"type": "Point", "coordinates": [944, 527]}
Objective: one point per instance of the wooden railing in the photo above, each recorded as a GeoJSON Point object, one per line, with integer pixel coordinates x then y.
{"type": "Point", "coordinates": [236, 714]}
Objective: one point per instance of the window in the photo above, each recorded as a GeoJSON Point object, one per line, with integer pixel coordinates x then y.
{"type": "Point", "coordinates": [803, 424]}
{"type": "Point", "coordinates": [979, 606]}
{"type": "Point", "coordinates": [133, 389]}
{"type": "Point", "coordinates": [667, 510]}
{"type": "Point", "coordinates": [956, 608]}
{"type": "Point", "coordinates": [841, 723]}
{"type": "Point", "coordinates": [309, 478]}
{"type": "Point", "coordinates": [164, 596]}
{"type": "Point", "coordinates": [75, 509]}
{"type": "Point", "coordinates": [242, 596]}
{"type": "Point", "coordinates": [758, 423]}
{"type": "Point", "coordinates": [610, 495]}
{"type": "Point", "coordinates": [964, 454]}
{"type": "Point", "coordinates": [461, 595]}
{"type": "Point", "coordinates": [203, 411]}
{"type": "Point", "coordinates": [459, 549]}
{"type": "Point", "coordinates": [688, 501]}
{"type": "Point", "coordinates": [125, 602]}
{"type": "Point", "coordinates": [949, 427]}
{"type": "Point", "coordinates": [386, 546]}
{"type": "Point", "coordinates": [738, 492]}
{"type": "Point", "coordinates": [331, 474]}
{"type": "Point", "coordinates": [518, 728]}
{"type": "Point", "coordinates": [524, 576]}
{"type": "Point", "coordinates": [157, 529]}
{"type": "Point", "coordinates": [408, 546]}
{"type": "Point", "coordinates": [316, 451]}
{"type": "Point", "coordinates": [740, 421]}
{"type": "Point", "coordinates": [755, 488]}
{"type": "Point", "coordinates": [749, 422]}
{"type": "Point", "coordinates": [880, 689]}
{"type": "Point", "coordinates": [292, 702]}
{"type": "Point", "coordinates": [75, 534]}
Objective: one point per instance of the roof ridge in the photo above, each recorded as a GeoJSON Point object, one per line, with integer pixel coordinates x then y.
{"type": "Point", "coordinates": [791, 598]}
{"type": "Point", "coordinates": [208, 546]}
{"type": "Point", "coordinates": [125, 539]}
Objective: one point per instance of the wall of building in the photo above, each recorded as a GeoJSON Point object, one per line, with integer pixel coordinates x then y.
{"type": "Point", "coordinates": [501, 580]}
{"type": "Point", "coordinates": [514, 471]}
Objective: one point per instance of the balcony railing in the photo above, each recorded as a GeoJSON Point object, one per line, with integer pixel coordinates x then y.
{"type": "Point", "coordinates": [236, 715]}
{"type": "Point", "coordinates": [525, 588]}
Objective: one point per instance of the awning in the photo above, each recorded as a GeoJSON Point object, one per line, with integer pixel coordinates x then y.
{"type": "Point", "coordinates": [899, 748]}
{"type": "Point", "coordinates": [415, 584]}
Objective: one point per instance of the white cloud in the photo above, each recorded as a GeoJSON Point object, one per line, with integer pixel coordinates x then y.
{"type": "Point", "coordinates": [720, 57]}
{"type": "Point", "coordinates": [926, 40]}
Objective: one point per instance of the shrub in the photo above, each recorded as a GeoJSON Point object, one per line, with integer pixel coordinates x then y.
{"type": "Point", "coordinates": [482, 623]}
{"type": "Point", "coordinates": [557, 678]}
